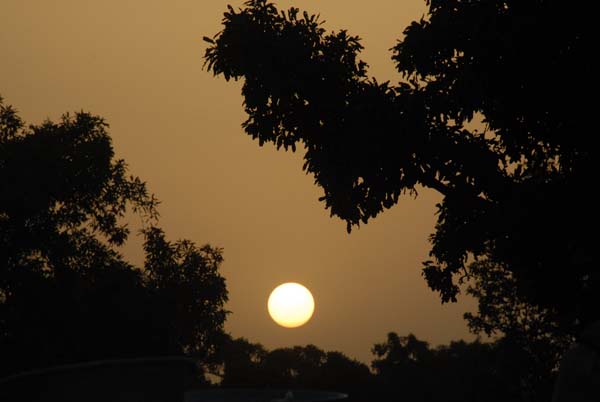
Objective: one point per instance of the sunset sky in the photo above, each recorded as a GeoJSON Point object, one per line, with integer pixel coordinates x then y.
{"type": "Point", "coordinates": [139, 65]}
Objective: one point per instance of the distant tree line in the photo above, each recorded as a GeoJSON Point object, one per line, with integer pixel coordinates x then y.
{"type": "Point", "coordinates": [403, 368]}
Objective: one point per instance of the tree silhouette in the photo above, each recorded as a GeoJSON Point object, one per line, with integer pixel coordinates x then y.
{"type": "Point", "coordinates": [247, 364]}
{"type": "Point", "coordinates": [242, 363]}
{"type": "Point", "coordinates": [534, 332]}
{"type": "Point", "coordinates": [517, 194]}
{"type": "Point", "coordinates": [403, 368]}
{"type": "Point", "coordinates": [190, 293]}
{"type": "Point", "coordinates": [66, 292]}
{"type": "Point", "coordinates": [407, 368]}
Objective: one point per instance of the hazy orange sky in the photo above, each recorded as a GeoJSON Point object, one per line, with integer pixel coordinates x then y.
{"type": "Point", "coordinates": [139, 65]}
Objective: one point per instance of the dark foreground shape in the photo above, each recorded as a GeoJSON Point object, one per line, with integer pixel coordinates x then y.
{"type": "Point", "coordinates": [162, 379]}
{"type": "Point", "coordinates": [579, 373]}
{"type": "Point", "coordinates": [261, 395]}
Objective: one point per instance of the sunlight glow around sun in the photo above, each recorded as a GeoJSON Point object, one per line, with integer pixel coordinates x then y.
{"type": "Point", "coordinates": [291, 305]}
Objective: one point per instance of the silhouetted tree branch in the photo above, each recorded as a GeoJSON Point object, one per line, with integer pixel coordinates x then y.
{"type": "Point", "coordinates": [517, 193]}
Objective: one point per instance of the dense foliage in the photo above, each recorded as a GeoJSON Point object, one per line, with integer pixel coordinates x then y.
{"type": "Point", "coordinates": [66, 292]}
{"type": "Point", "coordinates": [403, 368]}
{"type": "Point", "coordinates": [250, 364]}
{"type": "Point", "coordinates": [517, 194]}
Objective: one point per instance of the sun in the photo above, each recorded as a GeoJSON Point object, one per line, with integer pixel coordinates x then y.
{"type": "Point", "coordinates": [291, 305]}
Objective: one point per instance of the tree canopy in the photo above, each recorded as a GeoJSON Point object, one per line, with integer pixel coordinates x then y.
{"type": "Point", "coordinates": [517, 193]}
{"type": "Point", "coordinates": [66, 292]}
{"type": "Point", "coordinates": [403, 368]}
{"type": "Point", "coordinates": [407, 368]}
{"type": "Point", "coordinates": [247, 364]}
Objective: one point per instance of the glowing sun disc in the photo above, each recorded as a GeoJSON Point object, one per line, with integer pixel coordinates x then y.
{"type": "Point", "coordinates": [291, 305]}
